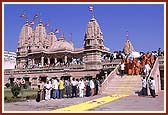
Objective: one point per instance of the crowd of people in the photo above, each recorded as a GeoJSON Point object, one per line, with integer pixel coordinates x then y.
{"type": "Point", "coordinates": [67, 88]}
{"type": "Point", "coordinates": [70, 88]}
{"type": "Point", "coordinates": [140, 65]}
{"type": "Point", "coordinates": [151, 84]}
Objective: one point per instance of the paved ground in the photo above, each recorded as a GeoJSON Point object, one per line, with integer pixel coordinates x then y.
{"type": "Point", "coordinates": [135, 103]}
{"type": "Point", "coordinates": [130, 103]}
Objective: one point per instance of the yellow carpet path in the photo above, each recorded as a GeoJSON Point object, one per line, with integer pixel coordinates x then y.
{"type": "Point", "coordinates": [91, 104]}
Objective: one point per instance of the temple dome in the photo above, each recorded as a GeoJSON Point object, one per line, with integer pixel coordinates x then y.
{"type": "Point", "coordinates": [61, 45]}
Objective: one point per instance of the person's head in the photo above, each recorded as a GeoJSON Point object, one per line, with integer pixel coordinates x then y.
{"type": "Point", "coordinates": [48, 78]}
{"type": "Point", "coordinates": [57, 79]}
{"type": "Point", "coordinates": [151, 78]}
{"type": "Point", "coordinates": [77, 79]}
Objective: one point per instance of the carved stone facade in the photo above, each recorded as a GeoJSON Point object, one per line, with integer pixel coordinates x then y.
{"type": "Point", "coordinates": [37, 48]}
{"type": "Point", "coordinates": [41, 54]}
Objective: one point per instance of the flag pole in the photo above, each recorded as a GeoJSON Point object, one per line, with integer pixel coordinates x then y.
{"type": "Point", "coordinates": [126, 35]}
{"type": "Point", "coordinates": [70, 37]}
{"type": "Point", "coordinates": [93, 11]}
{"type": "Point", "coordinates": [51, 28]}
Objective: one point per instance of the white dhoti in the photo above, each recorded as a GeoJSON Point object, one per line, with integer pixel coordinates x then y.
{"type": "Point", "coordinates": [47, 94]}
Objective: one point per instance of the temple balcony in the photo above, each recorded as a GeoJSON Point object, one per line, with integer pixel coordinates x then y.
{"type": "Point", "coordinates": [51, 68]}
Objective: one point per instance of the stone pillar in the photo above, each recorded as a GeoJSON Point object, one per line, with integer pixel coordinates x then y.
{"type": "Point", "coordinates": [65, 59]}
{"type": "Point", "coordinates": [33, 61]}
{"type": "Point", "coordinates": [55, 60]}
{"type": "Point", "coordinates": [105, 74]}
{"type": "Point", "coordinates": [48, 61]}
{"type": "Point", "coordinates": [42, 61]}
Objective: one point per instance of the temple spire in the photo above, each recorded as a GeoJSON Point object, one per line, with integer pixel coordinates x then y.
{"type": "Point", "coordinates": [128, 47]}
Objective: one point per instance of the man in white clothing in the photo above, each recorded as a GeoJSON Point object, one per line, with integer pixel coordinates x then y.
{"type": "Point", "coordinates": [144, 90]}
{"type": "Point", "coordinates": [55, 87]}
{"type": "Point", "coordinates": [147, 68]}
{"type": "Point", "coordinates": [74, 87]}
{"type": "Point", "coordinates": [47, 87]}
{"type": "Point", "coordinates": [92, 86]}
{"type": "Point", "coordinates": [81, 86]}
{"type": "Point", "coordinates": [122, 68]}
{"type": "Point", "coordinates": [152, 87]}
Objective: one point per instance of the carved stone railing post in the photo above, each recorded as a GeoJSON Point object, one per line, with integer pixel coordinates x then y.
{"type": "Point", "coordinates": [108, 78]}
{"type": "Point", "coordinates": [155, 73]}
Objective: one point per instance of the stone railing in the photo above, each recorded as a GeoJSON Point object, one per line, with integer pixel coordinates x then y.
{"type": "Point", "coordinates": [50, 69]}
{"type": "Point", "coordinates": [108, 78]}
{"type": "Point", "coordinates": [155, 73]}
{"type": "Point", "coordinates": [111, 65]}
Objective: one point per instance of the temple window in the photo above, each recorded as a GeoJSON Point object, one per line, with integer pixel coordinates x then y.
{"type": "Point", "coordinates": [88, 42]}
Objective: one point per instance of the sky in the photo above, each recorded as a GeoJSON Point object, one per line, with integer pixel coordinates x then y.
{"type": "Point", "coordinates": [144, 23]}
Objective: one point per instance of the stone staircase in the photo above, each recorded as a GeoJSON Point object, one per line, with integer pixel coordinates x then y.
{"type": "Point", "coordinates": [127, 85]}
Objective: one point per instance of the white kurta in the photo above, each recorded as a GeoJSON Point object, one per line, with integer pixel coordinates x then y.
{"type": "Point", "coordinates": [81, 86]}
{"type": "Point", "coordinates": [47, 93]}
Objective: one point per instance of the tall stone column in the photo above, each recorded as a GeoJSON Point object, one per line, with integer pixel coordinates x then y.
{"type": "Point", "coordinates": [65, 59]}
{"type": "Point", "coordinates": [48, 61]}
{"type": "Point", "coordinates": [33, 61]}
{"type": "Point", "coordinates": [105, 74]}
{"type": "Point", "coordinates": [55, 60]}
{"type": "Point", "coordinates": [42, 61]}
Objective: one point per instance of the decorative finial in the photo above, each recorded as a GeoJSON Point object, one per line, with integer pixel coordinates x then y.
{"type": "Point", "coordinates": [51, 28]}
{"type": "Point", "coordinates": [91, 8]}
{"type": "Point", "coordinates": [27, 21]}
{"type": "Point", "coordinates": [62, 37]}
{"type": "Point", "coordinates": [126, 35]}
{"type": "Point", "coordinates": [40, 20]}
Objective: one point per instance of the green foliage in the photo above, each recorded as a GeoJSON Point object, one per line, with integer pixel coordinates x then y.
{"type": "Point", "coordinates": [7, 85]}
{"type": "Point", "coordinates": [24, 86]}
{"type": "Point", "coordinates": [15, 89]}
{"type": "Point", "coordinates": [7, 99]}
{"type": "Point", "coordinates": [27, 94]}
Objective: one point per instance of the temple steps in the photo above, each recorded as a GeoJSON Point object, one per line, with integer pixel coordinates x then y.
{"type": "Point", "coordinates": [128, 85]}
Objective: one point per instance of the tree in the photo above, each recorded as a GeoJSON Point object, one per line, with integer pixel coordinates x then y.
{"type": "Point", "coordinates": [7, 85]}
{"type": "Point", "coordinates": [15, 89]}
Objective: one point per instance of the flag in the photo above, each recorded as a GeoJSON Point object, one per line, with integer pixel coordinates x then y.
{"type": "Point", "coordinates": [23, 14]}
{"type": "Point", "coordinates": [36, 16]}
{"type": "Point", "coordinates": [91, 8]}
{"type": "Point", "coordinates": [62, 36]}
{"type": "Point", "coordinates": [57, 31]}
{"type": "Point", "coordinates": [32, 23]}
{"type": "Point", "coordinates": [47, 25]}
